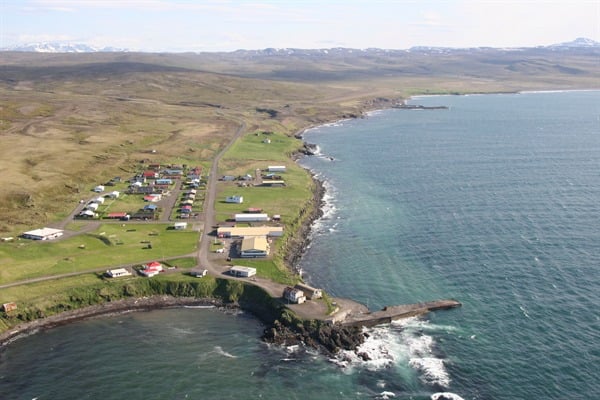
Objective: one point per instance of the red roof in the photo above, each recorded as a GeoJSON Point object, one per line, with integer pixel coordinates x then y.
{"type": "Point", "coordinates": [117, 215]}
{"type": "Point", "coordinates": [153, 264]}
{"type": "Point", "coordinates": [149, 174]}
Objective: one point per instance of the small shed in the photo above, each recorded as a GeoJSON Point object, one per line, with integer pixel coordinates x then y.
{"type": "Point", "coordinates": [92, 206]}
{"type": "Point", "coordinates": [179, 226]}
{"type": "Point", "coordinates": [276, 168]}
{"type": "Point", "coordinates": [99, 189]}
{"type": "Point", "coordinates": [114, 194]}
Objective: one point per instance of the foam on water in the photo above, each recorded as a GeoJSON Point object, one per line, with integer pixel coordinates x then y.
{"type": "Point", "coordinates": [219, 350]}
{"type": "Point", "coordinates": [445, 396]}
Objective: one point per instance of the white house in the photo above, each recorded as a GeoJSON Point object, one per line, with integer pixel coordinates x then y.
{"type": "Point", "coordinates": [99, 200]}
{"type": "Point", "coordinates": [117, 272]}
{"type": "Point", "coordinates": [242, 272]}
{"type": "Point", "coordinates": [254, 246]}
{"type": "Point", "coordinates": [294, 295]}
{"type": "Point", "coordinates": [92, 206]}
{"type": "Point", "coordinates": [43, 234]}
{"type": "Point", "coordinates": [234, 199]}
{"type": "Point", "coordinates": [114, 195]}
{"type": "Point", "coordinates": [251, 217]}
{"type": "Point", "coordinates": [87, 214]}
{"type": "Point", "coordinates": [99, 189]}
{"type": "Point", "coordinates": [276, 168]}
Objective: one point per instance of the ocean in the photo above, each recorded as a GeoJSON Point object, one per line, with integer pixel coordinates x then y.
{"type": "Point", "coordinates": [494, 202]}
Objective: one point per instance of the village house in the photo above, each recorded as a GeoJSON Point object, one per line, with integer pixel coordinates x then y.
{"type": "Point", "coordinates": [234, 199]}
{"type": "Point", "coordinates": [117, 272]}
{"type": "Point", "coordinates": [294, 295]}
{"type": "Point", "coordinates": [152, 269]}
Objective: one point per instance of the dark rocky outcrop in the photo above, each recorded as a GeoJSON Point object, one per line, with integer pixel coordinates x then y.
{"type": "Point", "coordinates": [330, 338]}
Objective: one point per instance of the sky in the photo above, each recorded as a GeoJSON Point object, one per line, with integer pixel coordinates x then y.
{"type": "Point", "coordinates": [228, 25]}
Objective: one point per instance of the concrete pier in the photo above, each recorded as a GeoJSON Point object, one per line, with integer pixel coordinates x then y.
{"type": "Point", "coordinates": [391, 313]}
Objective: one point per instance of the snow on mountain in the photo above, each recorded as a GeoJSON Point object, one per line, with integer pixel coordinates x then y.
{"type": "Point", "coordinates": [60, 47]}
{"type": "Point", "coordinates": [579, 43]}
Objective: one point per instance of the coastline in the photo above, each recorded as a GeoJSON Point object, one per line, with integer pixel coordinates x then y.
{"type": "Point", "coordinates": [294, 251]}
{"type": "Point", "coordinates": [296, 248]}
{"type": "Point", "coordinates": [99, 310]}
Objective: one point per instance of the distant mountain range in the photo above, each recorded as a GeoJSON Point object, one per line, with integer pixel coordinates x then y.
{"type": "Point", "coordinates": [60, 47]}
{"type": "Point", "coordinates": [66, 47]}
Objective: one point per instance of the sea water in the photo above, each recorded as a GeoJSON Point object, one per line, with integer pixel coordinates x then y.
{"type": "Point", "coordinates": [494, 202]}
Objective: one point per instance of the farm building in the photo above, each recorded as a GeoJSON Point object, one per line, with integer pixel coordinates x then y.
{"type": "Point", "coordinates": [243, 231]}
{"type": "Point", "coordinates": [294, 295]}
{"type": "Point", "coordinates": [43, 234]}
{"type": "Point", "coordinates": [276, 168]}
{"type": "Point", "coordinates": [99, 200]}
{"type": "Point", "coordinates": [254, 246]}
{"type": "Point", "coordinates": [114, 194]}
{"type": "Point", "coordinates": [251, 217]}
{"type": "Point", "coordinates": [99, 189]}
{"type": "Point", "coordinates": [117, 272]}
{"type": "Point", "coordinates": [228, 178]}
{"type": "Point", "coordinates": [234, 199]}
{"type": "Point", "coordinates": [310, 292]}
{"type": "Point", "coordinates": [242, 272]}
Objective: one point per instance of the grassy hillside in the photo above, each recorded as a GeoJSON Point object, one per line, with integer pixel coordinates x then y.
{"type": "Point", "coordinates": [69, 121]}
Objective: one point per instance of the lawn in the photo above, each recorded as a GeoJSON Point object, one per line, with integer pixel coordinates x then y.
{"type": "Point", "coordinates": [110, 245]}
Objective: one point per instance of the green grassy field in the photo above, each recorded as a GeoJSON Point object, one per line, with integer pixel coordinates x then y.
{"type": "Point", "coordinates": [110, 245]}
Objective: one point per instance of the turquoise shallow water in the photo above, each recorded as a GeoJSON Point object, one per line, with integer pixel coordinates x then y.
{"type": "Point", "coordinates": [494, 202]}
